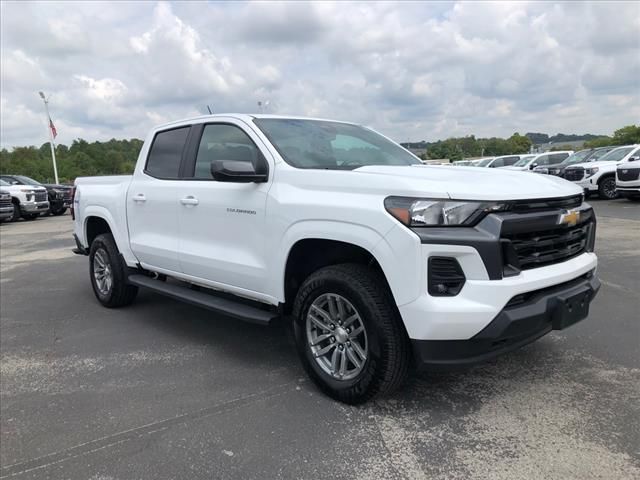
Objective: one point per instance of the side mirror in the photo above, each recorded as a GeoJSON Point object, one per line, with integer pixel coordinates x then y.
{"type": "Point", "coordinates": [236, 171]}
{"type": "Point", "coordinates": [533, 165]}
{"type": "Point", "coordinates": [634, 158]}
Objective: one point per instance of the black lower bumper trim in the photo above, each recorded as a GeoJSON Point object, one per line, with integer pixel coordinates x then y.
{"type": "Point", "coordinates": [523, 321]}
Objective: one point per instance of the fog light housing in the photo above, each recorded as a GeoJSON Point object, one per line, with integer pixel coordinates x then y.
{"type": "Point", "coordinates": [446, 278]}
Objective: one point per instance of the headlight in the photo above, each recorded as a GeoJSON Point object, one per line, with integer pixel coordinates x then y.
{"type": "Point", "coordinates": [544, 170]}
{"type": "Point", "coordinates": [591, 171]}
{"type": "Point", "coordinates": [431, 212]}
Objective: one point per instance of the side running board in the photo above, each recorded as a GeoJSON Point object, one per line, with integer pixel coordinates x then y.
{"type": "Point", "coordinates": [220, 305]}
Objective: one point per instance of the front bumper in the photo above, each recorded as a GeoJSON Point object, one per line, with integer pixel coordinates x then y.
{"type": "Point", "coordinates": [588, 184]}
{"type": "Point", "coordinates": [523, 320]}
{"type": "Point", "coordinates": [34, 207]}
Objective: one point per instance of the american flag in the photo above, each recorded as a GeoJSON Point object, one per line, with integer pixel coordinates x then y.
{"type": "Point", "coordinates": [54, 132]}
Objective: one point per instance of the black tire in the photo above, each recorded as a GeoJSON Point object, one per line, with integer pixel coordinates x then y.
{"type": "Point", "coordinates": [607, 188]}
{"type": "Point", "coordinates": [58, 211]}
{"type": "Point", "coordinates": [388, 356]}
{"type": "Point", "coordinates": [16, 213]}
{"type": "Point", "coordinates": [120, 293]}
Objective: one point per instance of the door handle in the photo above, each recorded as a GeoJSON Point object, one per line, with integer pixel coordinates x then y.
{"type": "Point", "coordinates": [139, 198]}
{"type": "Point", "coordinates": [190, 200]}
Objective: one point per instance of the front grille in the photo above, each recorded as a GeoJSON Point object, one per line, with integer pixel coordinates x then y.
{"type": "Point", "coordinates": [5, 200]}
{"type": "Point", "coordinates": [41, 196]}
{"type": "Point", "coordinates": [539, 248]}
{"type": "Point", "coordinates": [523, 206]}
{"type": "Point", "coordinates": [574, 174]}
{"type": "Point", "coordinates": [627, 174]}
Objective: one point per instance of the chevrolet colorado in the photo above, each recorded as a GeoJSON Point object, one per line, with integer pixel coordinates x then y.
{"type": "Point", "coordinates": [379, 261]}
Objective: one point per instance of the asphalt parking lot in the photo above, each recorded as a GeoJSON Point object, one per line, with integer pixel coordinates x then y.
{"type": "Point", "coordinates": [165, 390]}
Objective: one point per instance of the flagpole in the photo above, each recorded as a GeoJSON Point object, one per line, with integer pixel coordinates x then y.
{"type": "Point", "coordinates": [51, 144]}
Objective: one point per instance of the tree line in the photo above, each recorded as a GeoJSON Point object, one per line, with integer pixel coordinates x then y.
{"type": "Point", "coordinates": [468, 147]}
{"type": "Point", "coordinates": [114, 157]}
{"type": "Point", "coordinates": [118, 157]}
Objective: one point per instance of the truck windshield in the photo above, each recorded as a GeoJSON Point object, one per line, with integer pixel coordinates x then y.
{"type": "Point", "coordinates": [616, 155]}
{"type": "Point", "coordinates": [577, 157]}
{"type": "Point", "coordinates": [26, 180]}
{"type": "Point", "coordinates": [4, 184]}
{"type": "Point", "coordinates": [331, 145]}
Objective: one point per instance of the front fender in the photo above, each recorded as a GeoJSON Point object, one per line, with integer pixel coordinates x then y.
{"type": "Point", "coordinates": [389, 259]}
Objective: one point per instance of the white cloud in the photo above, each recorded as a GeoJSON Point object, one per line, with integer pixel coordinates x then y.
{"type": "Point", "coordinates": [410, 70]}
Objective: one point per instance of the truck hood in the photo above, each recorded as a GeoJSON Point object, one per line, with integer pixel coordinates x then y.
{"type": "Point", "coordinates": [469, 183]}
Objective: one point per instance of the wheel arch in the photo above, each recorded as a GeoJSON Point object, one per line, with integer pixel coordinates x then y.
{"type": "Point", "coordinates": [308, 246]}
{"type": "Point", "coordinates": [98, 220]}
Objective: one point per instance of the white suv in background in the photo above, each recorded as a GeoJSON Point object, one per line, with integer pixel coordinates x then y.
{"type": "Point", "coordinates": [628, 176]}
{"type": "Point", "coordinates": [28, 201]}
{"type": "Point", "coordinates": [529, 162]}
{"type": "Point", "coordinates": [600, 177]}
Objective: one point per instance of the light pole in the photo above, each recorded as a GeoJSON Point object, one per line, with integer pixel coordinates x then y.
{"type": "Point", "coordinates": [49, 125]}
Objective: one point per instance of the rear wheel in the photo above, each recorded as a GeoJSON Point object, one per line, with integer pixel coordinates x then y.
{"type": "Point", "coordinates": [349, 334]}
{"type": "Point", "coordinates": [607, 188]}
{"type": "Point", "coordinates": [109, 273]}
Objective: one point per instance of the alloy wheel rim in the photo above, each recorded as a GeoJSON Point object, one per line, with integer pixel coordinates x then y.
{"type": "Point", "coordinates": [102, 272]}
{"type": "Point", "coordinates": [337, 336]}
{"type": "Point", "coordinates": [610, 188]}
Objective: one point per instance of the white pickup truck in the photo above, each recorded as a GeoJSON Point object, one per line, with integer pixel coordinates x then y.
{"type": "Point", "coordinates": [377, 260]}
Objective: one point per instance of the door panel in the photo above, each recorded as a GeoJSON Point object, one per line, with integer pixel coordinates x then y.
{"type": "Point", "coordinates": [153, 221]}
{"type": "Point", "coordinates": [152, 202]}
{"type": "Point", "coordinates": [222, 224]}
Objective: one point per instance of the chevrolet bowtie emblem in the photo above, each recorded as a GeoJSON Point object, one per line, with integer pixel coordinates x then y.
{"type": "Point", "coordinates": [569, 218]}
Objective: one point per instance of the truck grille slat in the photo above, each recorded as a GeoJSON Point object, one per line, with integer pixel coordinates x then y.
{"type": "Point", "coordinates": [540, 248]}
{"type": "Point", "coordinates": [628, 174]}
{"type": "Point", "coordinates": [574, 174]}
{"type": "Point", "coordinates": [41, 196]}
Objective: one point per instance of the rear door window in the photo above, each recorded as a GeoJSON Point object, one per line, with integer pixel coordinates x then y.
{"type": "Point", "coordinates": [165, 154]}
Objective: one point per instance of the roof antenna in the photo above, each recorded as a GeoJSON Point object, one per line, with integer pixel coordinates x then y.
{"type": "Point", "coordinates": [210, 112]}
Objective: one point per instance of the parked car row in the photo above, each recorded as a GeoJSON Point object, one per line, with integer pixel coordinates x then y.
{"type": "Point", "coordinates": [24, 197]}
{"type": "Point", "coordinates": [608, 171]}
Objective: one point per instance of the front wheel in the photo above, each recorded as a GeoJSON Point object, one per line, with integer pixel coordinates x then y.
{"type": "Point", "coordinates": [607, 188]}
{"type": "Point", "coordinates": [58, 211]}
{"type": "Point", "coordinates": [108, 273]}
{"type": "Point", "coordinates": [15, 216]}
{"type": "Point", "coordinates": [349, 334]}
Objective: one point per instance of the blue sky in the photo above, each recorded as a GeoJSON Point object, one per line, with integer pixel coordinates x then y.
{"type": "Point", "coordinates": [418, 71]}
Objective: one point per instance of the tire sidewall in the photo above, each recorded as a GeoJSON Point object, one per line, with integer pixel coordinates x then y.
{"type": "Point", "coordinates": [601, 190]}
{"type": "Point", "coordinates": [16, 214]}
{"type": "Point", "coordinates": [98, 244]}
{"type": "Point", "coordinates": [368, 316]}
